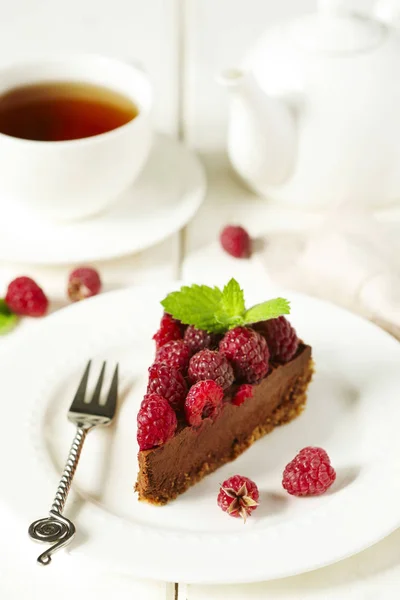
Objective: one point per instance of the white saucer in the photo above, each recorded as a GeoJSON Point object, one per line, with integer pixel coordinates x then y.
{"type": "Point", "coordinates": [163, 199]}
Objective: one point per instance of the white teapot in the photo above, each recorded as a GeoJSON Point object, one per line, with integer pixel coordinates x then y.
{"type": "Point", "coordinates": [315, 111]}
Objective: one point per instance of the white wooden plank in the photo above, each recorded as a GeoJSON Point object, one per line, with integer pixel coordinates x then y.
{"type": "Point", "coordinates": [127, 29]}
{"type": "Point", "coordinates": [217, 36]}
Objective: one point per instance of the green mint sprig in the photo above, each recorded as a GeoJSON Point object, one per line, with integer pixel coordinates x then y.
{"type": "Point", "coordinates": [8, 319]}
{"type": "Point", "coordinates": [216, 310]}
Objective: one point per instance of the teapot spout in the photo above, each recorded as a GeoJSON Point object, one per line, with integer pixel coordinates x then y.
{"type": "Point", "coordinates": [261, 132]}
{"type": "Point", "coordinates": [232, 78]}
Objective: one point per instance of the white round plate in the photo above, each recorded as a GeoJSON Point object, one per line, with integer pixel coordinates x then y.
{"type": "Point", "coordinates": [163, 199]}
{"type": "Point", "coordinates": [353, 412]}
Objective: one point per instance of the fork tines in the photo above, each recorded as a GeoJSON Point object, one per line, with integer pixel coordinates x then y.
{"type": "Point", "coordinates": [93, 406]}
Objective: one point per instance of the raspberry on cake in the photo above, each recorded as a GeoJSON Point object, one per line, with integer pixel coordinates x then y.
{"type": "Point", "coordinates": [248, 352]}
{"type": "Point", "coordinates": [168, 382]}
{"type": "Point", "coordinates": [209, 364]}
{"type": "Point", "coordinates": [281, 338]}
{"type": "Point", "coordinates": [156, 422]}
{"type": "Point", "coordinates": [198, 339]}
{"type": "Point", "coordinates": [176, 354]}
{"type": "Point", "coordinates": [203, 402]}
{"type": "Point", "coordinates": [243, 392]}
{"type": "Point", "coordinates": [201, 414]}
{"type": "Point", "coordinates": [170, 330]}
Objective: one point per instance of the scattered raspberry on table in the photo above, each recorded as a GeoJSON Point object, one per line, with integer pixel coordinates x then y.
{"type": "Point", "coordinates": [310, 473]}
{"type": "Point", "coordinates": [236, 241]}
{"type": "Point", "coordinates": [83, 282]}
{"type": "Point", "coordinates": [238, 496]}
{"type": "Point", "coordinates": [25, 297]}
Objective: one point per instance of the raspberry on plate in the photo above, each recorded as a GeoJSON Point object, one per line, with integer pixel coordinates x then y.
{"type": "Point", "coordinates": [236, 241]}
{"type": "Point", "coordinates": [176, 354]}
{"type": "Point", "coordinates": [198, 339]}
{"type": "Point", "coordinates": [238, 496]}
{"type": "Point", "coordinates": [83, 282]}
{"type": "Point", "coordinates": [203, 401]}
{"type": "Point", "coordinates": [309, 474]}
{"type": "Point", "coordinates": [243, 392]}
{"type": "Point", "coordinates": [170, 330]}
{"type": "Point", "coordinates": [156, 422]}
{"type": "Point", "coordinates": [25, 297]}
{"type": "Point", "coordinates": [248, 353]}
{"type": "Point", "coordinates": [168, 382]}
{"type": "Point", "coordinates": [210, 364]}
{"type": "Point", "coordinates": [281, 338]}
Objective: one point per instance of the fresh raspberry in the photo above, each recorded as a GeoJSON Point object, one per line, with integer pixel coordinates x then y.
{"type": "Point", "coordinates": [168, 382]}
{"type": "Point", "coordinates": [281, 338]}
{"type": "Point", "coordinates": [248, 353]}
{"type": "Point", "coordinates": [170, 329]}
{"type": "Point", "coordinates": [238, 496]}
{"type": "Point", "coordinates": [309, 474]}
{"type": "Point", "coordinates": [236, 241]}
{"type": "Point", "coordinates": [243, 392]}
{"type": "Point", "coordinates": [210, 364]}
{"type": "Point", "coordinates": [198, 339]}
{"type": "Point", "coordinates": [25, 297]}
{"type": "Point", "coordinates": [83, 282]}
{"type": "Point", "coordinates": [203, 401]}
{"type": "Point", "coordinates": [176, 354]}
{"type": "Point", "coordinates": [156, 422]}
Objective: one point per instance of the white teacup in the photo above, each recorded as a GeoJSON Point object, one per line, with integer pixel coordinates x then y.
{"type": "Point", "coordinates": [68, 180]}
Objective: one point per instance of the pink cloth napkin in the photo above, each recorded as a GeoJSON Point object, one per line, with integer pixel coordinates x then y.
{"type": "Point", "coordinates": [352, 259]}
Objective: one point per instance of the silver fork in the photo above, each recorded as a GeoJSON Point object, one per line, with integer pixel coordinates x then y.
{"type": "Point", "coordinates": [57, 529]}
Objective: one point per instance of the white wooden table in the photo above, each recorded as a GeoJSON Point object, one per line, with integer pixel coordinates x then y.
{"type": "Point", "coordinates": [181, 43]}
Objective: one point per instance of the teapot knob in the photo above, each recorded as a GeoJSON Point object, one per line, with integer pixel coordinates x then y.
{"type": "Point", "coordinates": [388, 11]}
{"type": "Point", "coordinates": [332, 7]}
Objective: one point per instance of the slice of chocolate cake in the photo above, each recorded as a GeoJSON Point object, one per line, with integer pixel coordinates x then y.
{"type": "Point", "coordinates": [205, 407]}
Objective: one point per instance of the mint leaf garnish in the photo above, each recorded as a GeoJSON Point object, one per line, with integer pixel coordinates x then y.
{"type": "Point", "coordinates": [195, 305]}
{"type": "Point", "coordinates": [267, 310]}
{"type": "Point", "coordinates": [232, 308]}
{"type": "Point", "coordinates": [233, 298]}
{"type": "Point", "coordinates": [217, 311]}
{"type": "Point", "coordinates": [8, 319]}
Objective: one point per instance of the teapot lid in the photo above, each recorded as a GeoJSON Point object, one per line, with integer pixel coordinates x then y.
{"type": "Point", "coordinates": [334, 30]}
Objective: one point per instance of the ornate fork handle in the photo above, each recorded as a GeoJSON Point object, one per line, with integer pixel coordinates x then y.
{"type": "Point", "coordinates": [56, 529]}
